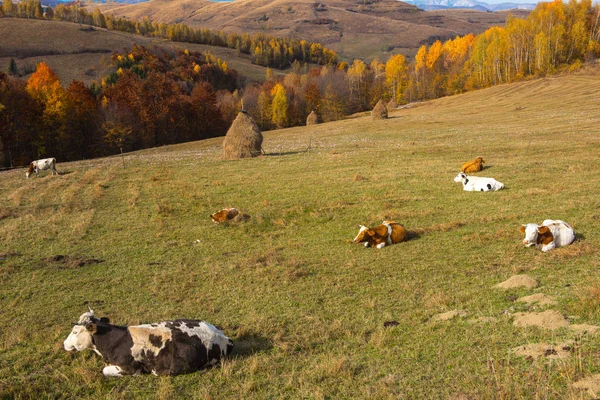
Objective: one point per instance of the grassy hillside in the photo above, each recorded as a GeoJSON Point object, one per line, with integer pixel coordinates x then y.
{"type": "Point", "coordinates": [353, 29]}
{"type": "Point", "coordinates": [83, 54]}
{"type": "Point", "coordinates": [305, 306]}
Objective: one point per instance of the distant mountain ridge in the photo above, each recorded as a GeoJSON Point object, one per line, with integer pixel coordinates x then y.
{"type": "Point", "coordinates": [429, 5]}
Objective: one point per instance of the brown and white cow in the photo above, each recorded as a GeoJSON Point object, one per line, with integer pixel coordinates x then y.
{"type": "Point", "coordinates": [42, 165]}
{"type": "Point", "coordinates": [389, 232]}
{"type": "Point", "coordinates": [166, 348]}
{"type": "Point", "coordinates": [224, 215]}
{"type": "Point", "coordinates": [551, 234]}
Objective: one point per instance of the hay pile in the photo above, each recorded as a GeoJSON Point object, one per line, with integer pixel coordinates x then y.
{"type": "Point", "coordinates": [392, 105]}
{"type": "Point", "coordinates": [243, 139]}
{"type": "Point", "coordinates": [380, 111]}
{"type": "Point", "coordinates": [312, 118]}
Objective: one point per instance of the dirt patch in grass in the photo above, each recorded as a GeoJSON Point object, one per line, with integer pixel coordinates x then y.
{"type": "Point", "coordinates": [534, 351]}
{"type": "Point", "coordinates": [539, 299]}
{"type": "Point", "coordinates": [583, 329]}
{"type": "Point", "coordinates": [550, 319]}
{"type": "Point", "coordinates": [5, 255]}
{"type": "Point", "coordinates": [518, 281]}
{"type": "Point", "coordinates": [67, 262]}
{"type": "Point", "coordinates": [591, 384]}
{"type": "Point", "coordinates": [449, 315]}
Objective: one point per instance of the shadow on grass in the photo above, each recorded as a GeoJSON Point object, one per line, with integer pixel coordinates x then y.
{"type": "Point", "coordinates": [286, 153]}
{"type": "Point", "coordinates": [250, 343]}
{"type": "Point", "coordinates": [579, 237]}
{"type": "Point", "coordinates": [413, 235]}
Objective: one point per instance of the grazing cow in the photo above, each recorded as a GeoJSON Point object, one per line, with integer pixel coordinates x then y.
{"type": "Point", "coordinates": [42, 165]}
{"type": "Point", "coordinates": [473, 166]}
{"type": "Point", "coordinates": [165, 348]}
{"type": "Point", "coordinates": [224, 215]}
{"type": "Point", "coordinates": [477, 183]}
{"type": "Point", "coordinates": [388, 232]}
{"type": "Point", "coordinates": [552, 233]}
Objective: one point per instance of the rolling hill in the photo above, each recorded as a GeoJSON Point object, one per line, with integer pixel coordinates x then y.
{"type": "Point", "coordinates": [312, 314]}
{"type": "Point", "coordinates": [353, 29]}
{"type": "Point", "coordinates": [76, 52]}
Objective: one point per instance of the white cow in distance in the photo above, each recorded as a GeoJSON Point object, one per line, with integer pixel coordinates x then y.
{"type": "Point", "coordinates": [551, 234]}
{"type": "Point", "coordinates": [477, 183]}
{"type": "Point", "coordinates": [42, 165]}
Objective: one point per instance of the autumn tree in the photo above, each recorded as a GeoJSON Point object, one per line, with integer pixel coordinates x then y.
{"type": "Point", "coordinates": [279, 106]}
{"type": "Point", "coordinates": [396, 76]}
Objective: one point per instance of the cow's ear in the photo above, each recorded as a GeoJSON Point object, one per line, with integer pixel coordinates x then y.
{"type": "Point", "coordinates": [91, 328]}
{"type": "Point", "coordinates": [522, 228]}
{"type": "Point", "coordinates": [371, 232]}
{"type": "Point", "coordinates": [543, 229]}
{"type": "Point", "coordinates": [104, 320]}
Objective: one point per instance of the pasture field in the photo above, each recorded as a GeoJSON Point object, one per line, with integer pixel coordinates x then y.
{"type": "Point", "coordinates": [305, 306]}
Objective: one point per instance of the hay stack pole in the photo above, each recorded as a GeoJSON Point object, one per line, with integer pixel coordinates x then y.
{"type": "Point", "coordinates": [379, 111]}
{"type": "Point", "coordinates": [312, 118]}
{"type": "Point", "coordinates": [243, 139]}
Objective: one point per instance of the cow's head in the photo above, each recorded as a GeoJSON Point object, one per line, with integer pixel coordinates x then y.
{"type": "Point", "coordinates": [460, 177]}
{"type": "Point", "coordinates": [30, 170]}
{"type": "Point", "coordinates": [365, 235]}
{"type": "Point", "coordinates": [480, 159]}
{"type": "Point", "coordinates": [80, 337]}
{"type": "Point", "coordinates": [533, 232]}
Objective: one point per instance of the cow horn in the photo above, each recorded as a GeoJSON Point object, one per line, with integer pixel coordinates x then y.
{"type": "Point", "coordinates": [90, 308]}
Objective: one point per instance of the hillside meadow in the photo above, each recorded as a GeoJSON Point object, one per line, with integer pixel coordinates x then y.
{"type": "Point", "coordinates": [82, 52]}
{"type": "Point", "coordinates": [304, 305]}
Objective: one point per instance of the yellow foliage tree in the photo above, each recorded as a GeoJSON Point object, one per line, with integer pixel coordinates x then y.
{"type": "Point", "coordinates": [396, 76]}
{"type": "Point", "coordinates": [279, 106]}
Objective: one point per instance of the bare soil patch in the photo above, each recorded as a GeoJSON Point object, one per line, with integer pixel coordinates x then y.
{"type": "Point", "coordinates": [517, 281]}
{"type": "Point", "coordinates": [550, 319]}
{"type": "Point", "coordinates": [535, 351]}
{"type": "Point", "coordinates": [591, 384]}
{"type": "Point", "coordinates": [449, 315]}
{"type": "Point", "coordinates": [539, 299]}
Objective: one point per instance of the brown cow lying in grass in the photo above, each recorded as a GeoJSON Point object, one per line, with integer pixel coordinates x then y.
{"type": "Point", "coordinates": [224, 215]}
{"type": "Point", "coordinates": [473, 166]}
{"type": "Point", "coordinates": [388, 232]}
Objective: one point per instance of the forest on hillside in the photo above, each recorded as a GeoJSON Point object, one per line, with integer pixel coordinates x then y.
{"type": "Point", "coordinates": [155, 97]}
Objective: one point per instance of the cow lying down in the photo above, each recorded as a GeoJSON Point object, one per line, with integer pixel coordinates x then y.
{"type": "Point", "coordinates": [478, 184]}
{"type": "Point", "coordinates": [387, 233]}
{"type": "Point", "coordinates": [551, 234]}
{"type": "Point", "coordinates": [165, 348]}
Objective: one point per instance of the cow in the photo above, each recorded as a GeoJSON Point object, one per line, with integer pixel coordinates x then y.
{"type": "Point", "coordinates": [473, 166]}
{"type": "Point", "coordinates": [551, 234]}
{"type": "Point", "coordinates": [166, 348]}
{"type": "Point", "coordinates": [42, 165]}
{"type": "Point", "coordinates": [477, 183]}
{"type": "Point", "coordinates": [389, 232]}
{"type": "Point", "coordinates": [224, 215]}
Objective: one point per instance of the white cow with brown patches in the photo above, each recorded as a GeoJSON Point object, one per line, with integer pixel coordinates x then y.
{"type": "Point", "coordinates": [551, 234]}
{"type": "Point", "coordinates": [389, 232]}
{"type": "Point", "coordinates": [165, 348]}
{"type": "Point", "coordinates": [42, 165]}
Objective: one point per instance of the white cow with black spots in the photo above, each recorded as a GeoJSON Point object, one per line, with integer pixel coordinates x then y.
{"type": "Point", "coordinates": [478, 184]}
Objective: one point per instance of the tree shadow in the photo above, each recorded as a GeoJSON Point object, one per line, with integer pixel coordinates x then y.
{"type": "Point", "coordinates": [250, 343]}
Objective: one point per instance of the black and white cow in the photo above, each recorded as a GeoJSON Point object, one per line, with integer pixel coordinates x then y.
{"type": "Point", "coordinates": [165, 348]}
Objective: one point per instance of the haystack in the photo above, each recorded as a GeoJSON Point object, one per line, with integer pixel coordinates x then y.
{"type": "Point", "coordinates": [392, 105]}
{"type": "Point", "coordinates": [243, 138]}
{"type": "Point", "coordinates": [312, 118]}
{"type": "Point", "coordinates": [379, 111]}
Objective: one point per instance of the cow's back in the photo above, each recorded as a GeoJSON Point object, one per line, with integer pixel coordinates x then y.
{"type": "Point", "coordinates": [179, 346]}
{"type": "Point", "coordinates": [563, 234]}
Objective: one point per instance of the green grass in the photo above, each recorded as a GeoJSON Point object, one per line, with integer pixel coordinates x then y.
{"type": "Point", "coordinates": [304, 305]}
